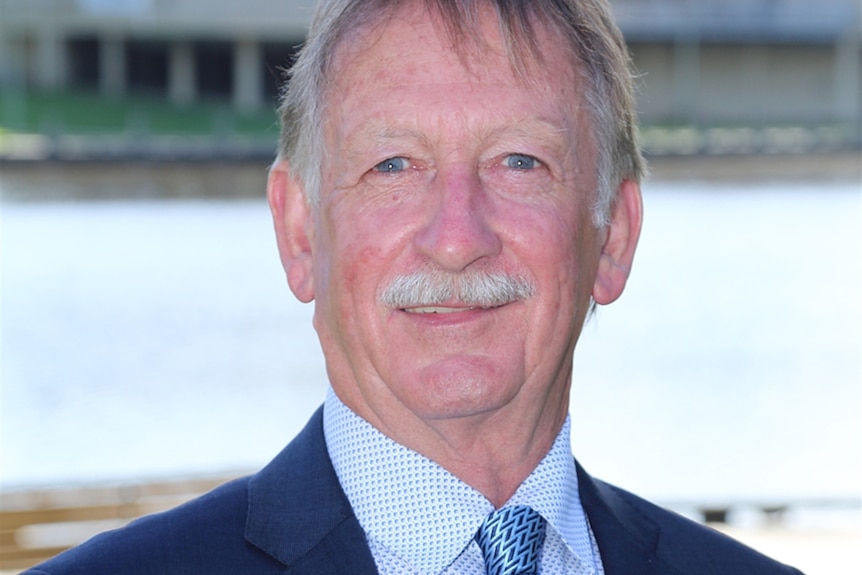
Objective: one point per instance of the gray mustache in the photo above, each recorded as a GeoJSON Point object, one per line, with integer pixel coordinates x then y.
{"type": "Point", "coordinates": [474, 289]}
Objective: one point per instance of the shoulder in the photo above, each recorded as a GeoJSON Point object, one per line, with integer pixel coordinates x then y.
{"type": "Point", "coordinates": [204, 535]}
{"type": "Point", "coordinates": [686, 542]}
{"type": "Point", "coordinates": [258, 524]}
{"type": "Point", "coordinates": [674, 543]}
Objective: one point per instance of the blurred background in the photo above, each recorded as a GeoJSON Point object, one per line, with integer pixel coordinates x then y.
{"type": "Point", "coordinates": [151, 348]}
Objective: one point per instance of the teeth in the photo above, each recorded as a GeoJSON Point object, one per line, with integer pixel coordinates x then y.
{"type": "Point", "coordinates": [436, 309]}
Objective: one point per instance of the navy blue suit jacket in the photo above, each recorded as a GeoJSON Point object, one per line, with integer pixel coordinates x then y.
{"type": "Point", "coordinates": [293, 518]}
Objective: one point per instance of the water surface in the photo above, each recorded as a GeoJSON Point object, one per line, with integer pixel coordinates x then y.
{"type": "Point", "coordinates": [158, 338]}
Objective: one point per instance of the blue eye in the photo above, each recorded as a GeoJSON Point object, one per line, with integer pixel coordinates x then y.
{"type": "Point", "coordinates": [521, 162]}
{"type": "Point", "coordinates": [392, 165]}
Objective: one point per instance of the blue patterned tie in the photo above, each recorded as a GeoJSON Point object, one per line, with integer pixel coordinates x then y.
{"type": "Point", "coordinates": [510, 539]}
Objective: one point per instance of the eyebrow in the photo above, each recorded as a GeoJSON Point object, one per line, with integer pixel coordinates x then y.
{"type": "Point", "coordinates": [386, 133]}
{"type": "Point", "coordinates": [530, 127]}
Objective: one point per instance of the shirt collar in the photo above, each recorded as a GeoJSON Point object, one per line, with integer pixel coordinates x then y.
{"type": "Point", "coordinates": [422, 512]}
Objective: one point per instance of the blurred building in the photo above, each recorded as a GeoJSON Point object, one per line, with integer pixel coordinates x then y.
{"type": "Point", "coordinates": [703, 61]}
{"type": "Point", "coordinates": [183, 50]}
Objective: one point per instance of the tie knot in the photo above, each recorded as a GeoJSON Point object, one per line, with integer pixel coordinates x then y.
{"type": "Point", "coordinates": [510, 539]}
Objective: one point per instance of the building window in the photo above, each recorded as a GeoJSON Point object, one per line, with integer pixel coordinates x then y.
{"type": "Point", "coordinates": [214, 70]}
{"type": "Point", "coordinates": [147, 67]}
{"type": "Point", "coordinates": [84, 63]}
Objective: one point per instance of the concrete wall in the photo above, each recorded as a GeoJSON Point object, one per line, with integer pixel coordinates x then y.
{"type": "Point", "coordinates": [748, 83]}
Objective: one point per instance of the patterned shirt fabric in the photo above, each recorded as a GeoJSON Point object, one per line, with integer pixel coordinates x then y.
{"type": "Point", "coordinates": [422, 520]}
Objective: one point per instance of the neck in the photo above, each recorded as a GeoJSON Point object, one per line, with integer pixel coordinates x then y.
{"type": "Point", "coordinates": [493, 453]}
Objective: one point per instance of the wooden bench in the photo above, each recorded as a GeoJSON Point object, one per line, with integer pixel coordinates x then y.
{"type": "Point", "coordinates": [36, 525]}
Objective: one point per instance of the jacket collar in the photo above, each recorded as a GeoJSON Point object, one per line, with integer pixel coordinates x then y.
{"type": "Point", "coordinates": [298, 514]}
{"type": "Point", "coordinates": [627, 539]}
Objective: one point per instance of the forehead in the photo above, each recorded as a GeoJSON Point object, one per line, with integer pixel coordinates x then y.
{"type": "Point", "coordinates": [413, 39]}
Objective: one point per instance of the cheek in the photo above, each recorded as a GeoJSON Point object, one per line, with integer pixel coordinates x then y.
{"type": "Point", "coordinates": [371, 241]}
{"type": "Point", "coordinates": [354, 267]}
{"type": "Point", "coordinates": [357, 259]}
{"type": "Point", "coordinates": [552, 240]}
{"type": "Point", "coordinates": [565, 256]}
{"type": "Point", "coordinates": [368, 255]}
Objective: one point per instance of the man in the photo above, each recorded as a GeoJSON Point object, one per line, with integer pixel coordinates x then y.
{"type": "Point", "coordinates": [458, 184]}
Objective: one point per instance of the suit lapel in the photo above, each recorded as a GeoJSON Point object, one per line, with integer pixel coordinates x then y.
{"type": "Point", "coordinates": [298, 513]}
{"type": "Point", "coordinates": [627, 540]}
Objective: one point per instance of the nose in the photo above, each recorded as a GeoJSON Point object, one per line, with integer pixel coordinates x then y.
{"type": "Point", "coordinates": [458, 231]}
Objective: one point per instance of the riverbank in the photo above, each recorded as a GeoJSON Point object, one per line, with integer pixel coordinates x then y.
{"type": "Point", "coordinates": [220, 178]}
{"type": "Point", "coordinates": [841, 166]}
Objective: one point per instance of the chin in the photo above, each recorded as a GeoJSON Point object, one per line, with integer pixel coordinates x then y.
{"type": "Point", "coordinates": [460, 394]}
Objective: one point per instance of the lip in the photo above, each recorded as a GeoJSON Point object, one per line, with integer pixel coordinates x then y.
{"type": "Point", "coordinates": [440, 309]}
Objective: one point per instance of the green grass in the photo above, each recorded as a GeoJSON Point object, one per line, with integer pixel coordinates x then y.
{"type": "Point", "coordinates": [83, 113]}
{"type": "Point", "coordinates": [61, 113]}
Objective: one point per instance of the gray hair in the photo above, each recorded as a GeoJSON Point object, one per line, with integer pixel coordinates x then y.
{"type": "Point", "coordinates": [595, 41]}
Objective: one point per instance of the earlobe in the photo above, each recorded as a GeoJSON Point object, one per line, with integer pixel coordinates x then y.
{"type": "Point", "coordinates": [621, 239]}
{"type": "Point", "coordinates": [291, 216]}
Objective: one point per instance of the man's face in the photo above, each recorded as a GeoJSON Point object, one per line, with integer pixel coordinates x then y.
{"type": "Point", "coordinates": [454, 171]}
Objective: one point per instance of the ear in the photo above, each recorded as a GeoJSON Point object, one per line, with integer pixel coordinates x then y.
{"type": "Point", "coordinates": [621, 238]}
{"type": "Point", "coordinates": [292, 218]}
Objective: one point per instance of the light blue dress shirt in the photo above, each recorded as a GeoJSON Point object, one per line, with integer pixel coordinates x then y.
{"type": "Point", "coordinates": [420, 519]}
